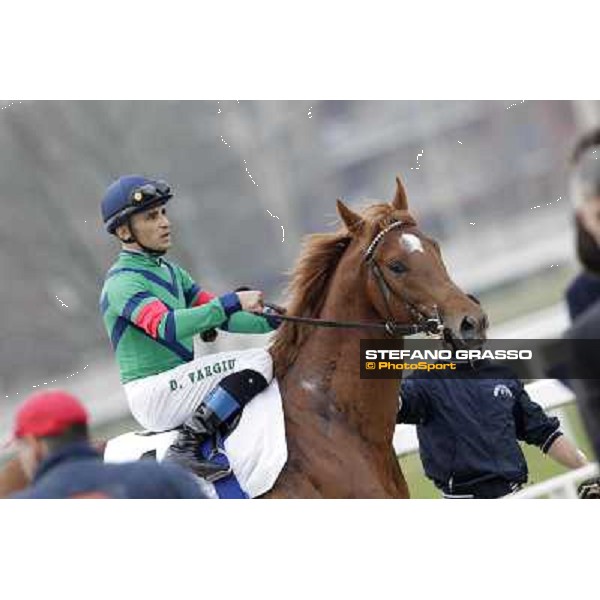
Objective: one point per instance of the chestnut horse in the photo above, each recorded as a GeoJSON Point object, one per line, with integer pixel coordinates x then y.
{"type": "Point", "coordinates": [339, 427]}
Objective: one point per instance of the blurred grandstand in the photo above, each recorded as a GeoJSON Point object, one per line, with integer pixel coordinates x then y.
{"type": "Point", "coordinates": [489, 184]}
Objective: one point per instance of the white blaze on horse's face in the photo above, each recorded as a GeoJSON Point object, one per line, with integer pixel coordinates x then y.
{"type": "Point", "coordinates": [411, 243]}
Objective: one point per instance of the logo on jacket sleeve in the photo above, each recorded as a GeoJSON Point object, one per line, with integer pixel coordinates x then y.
{"type": "Point", "coordinates": [502, 391]}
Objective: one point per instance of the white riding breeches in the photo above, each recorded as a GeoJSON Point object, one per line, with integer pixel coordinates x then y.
{"type": "Point", "coordinates": [165, 401]}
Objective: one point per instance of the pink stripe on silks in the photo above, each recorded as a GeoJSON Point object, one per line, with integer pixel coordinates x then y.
{"type": "Point", "coordinates": [150, 316]}
{"type": "Point", "coordinates": [203, 298]}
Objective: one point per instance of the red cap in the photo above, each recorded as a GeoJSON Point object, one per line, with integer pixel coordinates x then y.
{"type": "Point", "coordinates": [48, 413]}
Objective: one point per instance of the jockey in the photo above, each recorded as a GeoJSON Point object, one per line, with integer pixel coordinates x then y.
{"type": "Point", "coordinates": [152, 308]}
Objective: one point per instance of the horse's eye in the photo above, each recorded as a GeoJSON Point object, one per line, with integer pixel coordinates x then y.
{"type": "Point", "coordinates": [397, 267]}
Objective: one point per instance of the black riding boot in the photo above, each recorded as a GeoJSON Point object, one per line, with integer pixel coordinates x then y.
{"type": "Point", "coordinates": [185, 451]}
{"type": "Point", "coordinates": [217, 414]}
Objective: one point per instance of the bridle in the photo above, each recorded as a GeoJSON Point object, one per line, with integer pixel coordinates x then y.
{"type": "Point", "coordinates": [429, 325]}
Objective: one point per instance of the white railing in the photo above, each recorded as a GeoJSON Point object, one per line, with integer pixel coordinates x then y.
{"type": "Point", "coordinates": [551, 395]}
{"type": "Point", "coordinates": [561, 486]}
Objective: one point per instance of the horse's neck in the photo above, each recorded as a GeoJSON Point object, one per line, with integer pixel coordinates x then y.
{"type": "Point", "coordinates": [330, 358]}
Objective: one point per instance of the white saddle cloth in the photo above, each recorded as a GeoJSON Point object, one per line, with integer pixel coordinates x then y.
{"type": "Point", "coordinates": [257, 448]}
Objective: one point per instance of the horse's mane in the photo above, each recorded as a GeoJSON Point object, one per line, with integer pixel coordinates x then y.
{"type": "Point", "coordinates": [310, 278]}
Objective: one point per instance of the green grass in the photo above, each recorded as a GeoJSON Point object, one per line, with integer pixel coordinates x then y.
{"type": "Point", "coordinates": [526, 295]}
{"type": "Point", "coordinates": [541, 467]}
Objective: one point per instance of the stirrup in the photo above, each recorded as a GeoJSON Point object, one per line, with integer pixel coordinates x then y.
{"type": "Point", "coordinates": [217, 458]}
{"type": "Point", "coordinates": [224, 470]}
{"type": "Point", "coordinates": [201, 467]}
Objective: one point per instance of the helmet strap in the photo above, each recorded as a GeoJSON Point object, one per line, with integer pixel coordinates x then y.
{"type": "Point", "coordinates": [133, 240]}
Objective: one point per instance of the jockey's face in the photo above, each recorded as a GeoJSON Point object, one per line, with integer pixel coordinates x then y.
{"type": "Point", "coordinates": [152, 228]}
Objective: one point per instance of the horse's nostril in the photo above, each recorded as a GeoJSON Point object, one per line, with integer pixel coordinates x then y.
{"type": "Point", "coordinates": [485, 323]}
{"type": "Point", "coordinates": [468, 326]}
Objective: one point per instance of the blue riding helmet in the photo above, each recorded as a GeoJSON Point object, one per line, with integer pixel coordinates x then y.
{"type": "Point", "coordinates": [131, 194]}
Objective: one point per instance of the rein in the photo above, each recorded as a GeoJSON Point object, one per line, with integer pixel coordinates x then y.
{"type": "Point", "coordinates": [428, 325]}
{"type": "Point", "coordinates": [390, 327]}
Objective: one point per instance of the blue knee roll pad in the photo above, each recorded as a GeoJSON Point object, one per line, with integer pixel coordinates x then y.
{"type": "Point", "coordinates": [222, 404]}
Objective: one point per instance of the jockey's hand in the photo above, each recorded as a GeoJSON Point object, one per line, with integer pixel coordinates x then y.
{"type": "Point", "coordinates": [251, 300]}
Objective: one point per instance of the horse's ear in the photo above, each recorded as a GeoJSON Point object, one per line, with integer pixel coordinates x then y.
{"type": "Point", "coordinates": [353, 221]}
{"type": "Point", "coordinates": [400, 200]}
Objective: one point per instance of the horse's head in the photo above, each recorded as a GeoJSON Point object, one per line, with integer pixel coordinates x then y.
{"type": "Point", "coordinates": [407, 280]}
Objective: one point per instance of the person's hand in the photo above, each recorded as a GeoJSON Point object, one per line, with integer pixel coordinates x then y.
{"type": "Point", "coordinates": [251, 300]}
{"type": "Point", "coordinates": [589, 489]}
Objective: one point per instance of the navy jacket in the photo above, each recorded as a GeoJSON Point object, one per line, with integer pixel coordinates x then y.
{"type": "Point", "coordinates": [468, 428]}
{"type": "Point", "coordinates": [583, 291]}
{"type": "Point", "coordinates": [77, 471]}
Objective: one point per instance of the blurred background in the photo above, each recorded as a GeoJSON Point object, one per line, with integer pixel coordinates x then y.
{"type": "Point", "coordinates": [487, 179]}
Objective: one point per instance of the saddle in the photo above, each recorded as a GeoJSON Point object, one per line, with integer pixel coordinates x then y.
{"type": "Point", "coordinates": [255, 451]}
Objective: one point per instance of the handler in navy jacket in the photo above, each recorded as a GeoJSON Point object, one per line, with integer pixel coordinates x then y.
{"type": "Point", "coordinates": [468, 429]}
{"type": "Point", "coordinates": [51, 436]}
